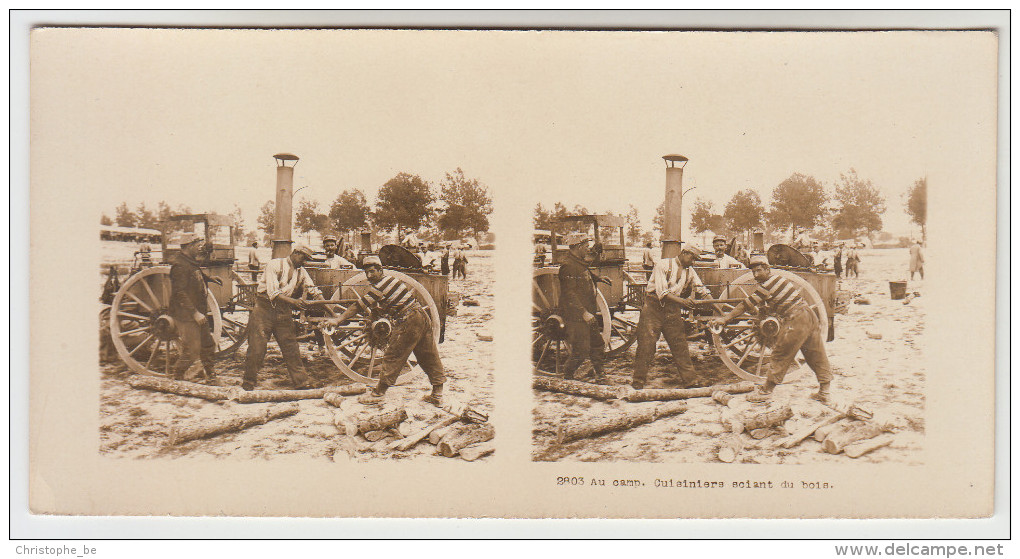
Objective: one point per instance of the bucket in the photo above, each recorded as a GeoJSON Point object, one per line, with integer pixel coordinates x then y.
{"type": "Point", "coordinates": [898, 289]}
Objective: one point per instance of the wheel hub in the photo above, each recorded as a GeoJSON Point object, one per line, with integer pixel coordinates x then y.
{"type": "Point", "coordinates": [555, 327]}
{"type": "Point", "coordinates": [163, 327]}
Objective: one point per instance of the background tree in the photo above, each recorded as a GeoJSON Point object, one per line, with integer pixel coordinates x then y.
{"type": "Point", "coordinates": [308, 217]}
{"type": "Point", "coordinates": [658, 219]}
{"type": "Point", "coordinates": [164, 212]}
{"type": "Point", "coordinates": [744, 212]}
{"type": "Point", "coordinates": [105, 220]}
{"type": "Point", "coordinates": [917, 204]}
{"type": "Point", "coordinates": [860, 205]}
{"type": "Point", "coordinates": [267, 218]}
{"type": "Point", "coordinates": [349, 211]}
{"type": "Point", "coordinates": [240, 231]}
{"type": "Point", "coordinates": [404, 202]}
{"type": "Point", "coordinates": [125, 217]}
{"type": "Point", "coordinates": [797, 203]}
{"type": "Point", "coordinates": [467, 205]}
{"type": "Point", "coordinates": [633, 226]}
{"type": "Point", "coordinates": [542, 217]}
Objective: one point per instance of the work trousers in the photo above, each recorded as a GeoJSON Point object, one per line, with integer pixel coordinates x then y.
{"type": "Point", "coordinates": [799, 331]}
{"type": "Point", "coordinates": [412, 334]}
{"type": "Point", "coordinates": [666, 320]}
{"type": "Point", "coordinates": [268, 320]}
{"type": "Point", "coordinates": [837, 266]}
{"type": "Point", "coordinates": [585, 343]}
{"type": "Point", "coordinates": [196, 343]}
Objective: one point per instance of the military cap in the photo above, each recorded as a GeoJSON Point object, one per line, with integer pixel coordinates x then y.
{"type": "Point", "coordinates": [574, 239]}
{"type": "Point", "coordinates": [371, 260]}
{"type": "Point", "coordinates": [303, 248]}
{"type": "Point", "coordinates": [719, 238]}
{"type": "Point", "coordinates": [759, 258]}
{"type": "Point", "coordinates": [188, 237]}
{"type": "Point", "coordinates": [696, 252]}
{"type": "Point", "coordinates": [329, 238]}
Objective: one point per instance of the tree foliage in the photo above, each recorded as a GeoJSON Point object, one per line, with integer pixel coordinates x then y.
{"type": "Point", "coordinates": [797, 203]}
{"type": "Point", "coordinates": [404, 202]}
{"type": "Point", "coordinates": [701, 216]}
{"type": "Point", "coordinates": [542, 218]}
{"type": "Point", "coordinates": [467, 204]}
{"type": "Point", "coordinates": [349, 211]}
{"type": "Point", "coordinates": [660, 216]}
{"type": "Point", "coordinates": [917, 204]}
{"type": "Point", "coordinates": [105, 220]}
{"type": "Point", "coordinates": [125, 217]}
{"type": "Point", "coordinates": [309, 218]}
{"type": "Point", "coordinates": [860, 205]}
{"type": "Point", "coordinates": [633, 225]}
{"type": "Point", "coordinates": [744, 211]}
{"type": "Point", "coordinates": [240, 231]}
{"type": "Point", "coordinates": [267, 218]}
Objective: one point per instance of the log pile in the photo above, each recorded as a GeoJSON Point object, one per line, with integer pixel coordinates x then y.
{"type": "Point", "coordinates": [464, 435]}
{"type": "Point", "coordinates": [248, 418]}
{"type": "Point", "coordinates": [572, 431]}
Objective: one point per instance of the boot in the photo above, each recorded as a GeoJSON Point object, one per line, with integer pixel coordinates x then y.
{"type": "Point", "coordinates": [823, 395]}
{"type": "Point", "coordinates": [436, 397]}
{"type": "Point", "coordinates": [761, 394]}
{"type": "Point", "coordinates": [373, 397]}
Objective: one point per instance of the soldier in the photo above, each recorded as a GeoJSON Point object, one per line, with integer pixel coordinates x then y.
{"type": "Point", "coordinates": [412, 332]}
{"type": "Point", "coordinates": [669, 300]}
{"type": "Point", "coordinates": [722, 259]}
{"type": "Point", "coordinates": [799, 330]}
{"type": "Point", "coordinates": [916, 260]}
{"type": "Point", "coordinates": [253, 261]}
{"type": "Point", "coordinates": [283, 286]}
{"type": "Point", "coordinates": [189, 308]}
{"type": "Point", "coordinates": [334, 260]}
{"type": "Point", "coordinates": [577, 301]}
{"type": "Point", "coordinates": [648, 257]}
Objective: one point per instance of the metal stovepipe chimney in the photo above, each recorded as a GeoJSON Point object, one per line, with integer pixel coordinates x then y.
{"type": "Point", "coordinates": [284, 204]}
{"type": "Point", "coordinates": [671, 235]}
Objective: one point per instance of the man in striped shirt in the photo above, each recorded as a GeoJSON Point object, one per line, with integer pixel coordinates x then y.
{"type": "Point", "coordinates": [412, 332]}
{"type": "Point", "coordinates": [669, 299]}
{"type": "Point", "coordinates": [799, 330]}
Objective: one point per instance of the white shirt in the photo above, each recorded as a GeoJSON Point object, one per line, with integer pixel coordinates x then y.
{"type": "Point", "coordinates": [727, 261]}
{"type": "Point", "coordinates": [337, 262]}
{"type": "Point", "coordinates": [669, 277]}
{"type": "Point", "coordinates": [282, 278]}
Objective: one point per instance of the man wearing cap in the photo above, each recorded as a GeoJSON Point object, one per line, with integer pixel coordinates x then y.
{"type": "Point", "coordinates": [799, 330]}
{"type": "Point", "coordinates": [578, 304]}
{"type": "Point", "coordinates": [724, 260]}
{"type": "Point", "coordinates": [189, 308]}
{"type": "Point", "coordinates": [283, 286]}
{"type": "Point", "coordinates": [669, 299]}
{"type": "Point", "coordinates": [648, 257]}
{"type": "Point", "coordinates": [334, 260]}
{"type": "Point", "coordinates": [412, 331]}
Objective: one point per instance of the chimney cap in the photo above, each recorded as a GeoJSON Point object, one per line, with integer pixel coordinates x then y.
{"type": "Point", "coordinates": [674, 157]}
{"type": "Point", "coordinates": [286, 157]}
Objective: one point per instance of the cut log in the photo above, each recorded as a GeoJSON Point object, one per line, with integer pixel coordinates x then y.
{"type": "Point", "coordinates": [768, 418]}
{"type": "Point", "coordinates": [408, 442]}
{"type": "Point", "coordinates": [627, 420]}
{"type": "Point", "coordinates": [460, 438]}
{"type": "Point", "coordinates": [380, 421]}
{"type": "Point", "coordinates": [352, 389]}
{"type": "Point", "coordinates": [730, 449]}
{"type": "Point", "coordinates": [250, 418]}
{"type": "Point", "coordinates": [799, 435]}
{"type": "Point", "coordinates": [438, 434]}
{"type": "Point", "coordinates": [179, 387]}
{"type": "Point", "coordinates": [659, 394]}
{"type": "Point", "coordinates": [373, 436]}
{"type": "Point", "coordinates": [722, 397]}
{"type": "Point", "coordinates": [731, 419]}
{"type": "Point", "coordinates": [578, 388]}
{"type": "Point", "coordinates": [759, 434]}
{"type": "Point", "coordinates": [476, 451]}
{"type": "Point", "coordinates": [837, 440]}
{"type": "Point", "coordinates": [263, 396]}
{"type": "Point", "coordinates": [860, 448]}
{"type": "Point", "coordinates": [822, 432]}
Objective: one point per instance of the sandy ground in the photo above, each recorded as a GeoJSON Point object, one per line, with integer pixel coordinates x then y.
{"type": "Point", "coordinates": [136, 423]}
{"type": "Point", "coordinates": [886, 375]}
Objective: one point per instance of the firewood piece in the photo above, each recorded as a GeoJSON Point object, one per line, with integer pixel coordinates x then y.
{"type": "Point", "coordinates": [722, 397]}
{"type": "Point", "coordinates": [179, 387]}
{"type": "Point", "coordinates": [730, 448]}
{"type": "Point", "coordinates": [476, 451]}
{"type": "Point", "coordinates": [408, 442]}
{"type": "Point", "coordinates": [799, 435]}
{"type": "Point", "coordinates": [822, 432]}
{"type": "Point", "coordinates": [333, 398]}
{"type": "Point", "coordinates": [659, 394]}
{"type": "Point", "coordinates": [627, 420]}
{"type": "Point", "coordinates": [438, 434]}
{"type": "Point", "coordinates": [759, 434]}
{"type": "Point", "coordinates": [731, 419]}
{"type": "Point", "coordinates": [456, 440]}
{"type": "Point", "coordinates": [768, 418]}
{"type": "Point", "coordinates": [578, 388]}
{"type": "Point", "coordinates": [263, 396]}
{"type": "Point", "coordinates": [249, 418]}
{"type": "Point", "coordinates": [837, 440]}
{"type": "Point", "coordinates": [860, 448]}
{"type": "Point", "coordinates": [346, 389]}
{"type": "Point", "coordinates": [380, 421]}
{"type": "Point", "coordinates": [373, 436]}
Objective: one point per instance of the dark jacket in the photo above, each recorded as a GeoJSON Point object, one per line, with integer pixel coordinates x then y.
{"type": "Point", "coordinates": [187, 287]}
{"type": "Point", "coordinates": [577, 288]}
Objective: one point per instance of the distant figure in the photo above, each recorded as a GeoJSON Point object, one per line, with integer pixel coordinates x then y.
{"type": "Point", "coordinates": [111, 287]}
{"type": "Point", "coordinates": [916, 260]}
{"type": "Point", "coordinates": [540, 253]}
{"type": "Point", "coordinates": [145, 253]}
{"type": "Point", "coordinates": [725, 261]}
{"type": "Point", "coordinates": [253, 261]}
{"type": "Point", "coordinates": [460, 263]}
{"type": "Point", "coordinates": [852, 259]}
{"type": "Point", "coordinates": [648, 257]}
{"type": "Point", "coordinates": [837, 260]}
{"type": "Point", "coordinates": [444, 262]}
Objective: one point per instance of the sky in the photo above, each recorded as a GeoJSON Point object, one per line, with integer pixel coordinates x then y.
{"type": "Point", "coordinates": [194, 116]}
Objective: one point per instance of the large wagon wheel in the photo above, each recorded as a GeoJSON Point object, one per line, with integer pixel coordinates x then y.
{"type": "Point", "coordinates": [357, 348]}
{"type": "Point", "coordinates": [140, 325]}
{"type": "Point", "coordinates": [235, 314]}
{"type": "Point", "coordinates": [744, 344]}
{"type": "Point", "coordinates": [549, 344]}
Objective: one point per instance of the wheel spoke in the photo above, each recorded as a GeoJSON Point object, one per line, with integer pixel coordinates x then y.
{"type": "Point", "coordinates": [139, 301]}
{"type": "Point", "coordinates": [164, 283]}
{"type": "Point", "coordinates": [135, 331]}
{"type": "Point", "coordinates": [166, 359]}
{"type": "Point", "coordinates": [132, 315]}
{"type": "Point", "coordinates": [139, 346]}
{"type": "Point", "coordinates": [544, 350]}
{"type": "Point", "coordinates": [539, 339]}
{"type": "Point", "coordinates": [761, 359]}
{"type": "Point", "coordinates": [152, 294]}
{"type": "Point", "coordinates": [152, 354]}
{"type": "Point", "coordinates": [741, 337]}
{"type": "Point", "coordinates": [357, 354]}
{"type": "Point", "coordinates": [747, 351]}
{"type": "Point", "coordinates": [371, 364]}
{"type": "Point", "coordinates": [535, 288]}
{"type": "Point", "coordinates": [353, 340]}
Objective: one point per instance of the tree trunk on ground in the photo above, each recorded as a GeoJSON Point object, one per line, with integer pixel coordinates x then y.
{"type": "Point", "coordinates": [250, 418]}
{"type": "Point", "coordinates": [179, 387]}
{"type": "Point", "coordinates": [476, 451]}
{"type": "Point", "coordinates": [365, 422]}
{"type": "Point", "coordinates": [730, 448]}
{"type": "Point", "coordinates": [771, 418]}
{"type": "Point", "coordinates": [860, 448]}
{"type": "Point", "coordinates": [578, 388]}
{"type": "Point", "coordinates": [626, 420]}
{"type": "Point", "coordinates": [460, 438]}
{"type": "Point", "coordinates": [837, 440]}
{"type": "Point", "coordinates": [659, 394]}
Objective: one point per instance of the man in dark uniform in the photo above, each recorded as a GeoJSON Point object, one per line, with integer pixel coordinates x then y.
{"type": "Point", "coordinates": [578, 304]}
{"type": "Point", "coordinates": [669, 299]}
{"type": "Point", "coordinates": [412, 331]}
{"type": "Point", "coordinates": [189, 308]}
{"type": "Point", "coordinates": [799, 330]}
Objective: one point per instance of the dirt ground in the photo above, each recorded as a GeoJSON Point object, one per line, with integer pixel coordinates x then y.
{"type": "Point", "coordinates": [886, 375]}
{"type": "Point", "coordinates": [136, 423]}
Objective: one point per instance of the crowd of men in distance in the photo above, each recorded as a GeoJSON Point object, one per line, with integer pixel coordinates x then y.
{"type": "Point", "coordinates": [671, 295]}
